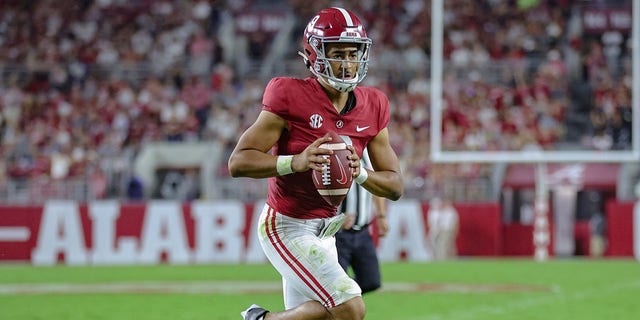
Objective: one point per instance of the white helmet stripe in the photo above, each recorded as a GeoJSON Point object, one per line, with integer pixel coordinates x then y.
{"type": "Point", "coordinates": [346, 15]}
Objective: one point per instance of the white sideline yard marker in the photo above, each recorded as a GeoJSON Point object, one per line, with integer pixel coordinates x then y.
{"type": "Point", "coordinates": [9, 234]}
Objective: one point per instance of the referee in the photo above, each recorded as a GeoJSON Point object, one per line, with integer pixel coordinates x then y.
{"type": "Point", "coordinates": [355, 245]}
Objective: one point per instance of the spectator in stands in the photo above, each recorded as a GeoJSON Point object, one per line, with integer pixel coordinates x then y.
{"type": "Point", "coordinates": [135, 189]}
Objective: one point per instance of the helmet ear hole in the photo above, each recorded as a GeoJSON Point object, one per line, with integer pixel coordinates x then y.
{"type": "Point", "coordinates": [307, 62]}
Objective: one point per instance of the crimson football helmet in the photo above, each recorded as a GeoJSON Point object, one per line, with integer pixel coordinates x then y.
{"type": "Point", "coordinates": [335, 25]}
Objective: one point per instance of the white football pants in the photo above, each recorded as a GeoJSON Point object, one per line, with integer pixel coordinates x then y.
{"type": "Point", "coordinates": [307, 260]}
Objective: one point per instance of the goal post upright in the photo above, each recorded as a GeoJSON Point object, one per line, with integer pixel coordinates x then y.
{"type": "Point", "coordinates": [437, 33]}
{"type": "Point", "coordinates": [541, 229]}
{"type": "Point", "coordinates": [635, 78]}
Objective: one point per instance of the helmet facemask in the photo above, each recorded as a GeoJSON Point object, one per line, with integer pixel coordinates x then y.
{"type": "Point", "coordinates": [322, 67]}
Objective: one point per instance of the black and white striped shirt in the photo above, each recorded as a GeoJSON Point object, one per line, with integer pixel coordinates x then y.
{"type": "Point", "coordinates": [358, 200]}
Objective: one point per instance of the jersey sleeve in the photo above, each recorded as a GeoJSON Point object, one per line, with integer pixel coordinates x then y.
{"type": "Point", "coordinates": [274, 98]}
{"type": "Point", "coordinates": [385, 110]}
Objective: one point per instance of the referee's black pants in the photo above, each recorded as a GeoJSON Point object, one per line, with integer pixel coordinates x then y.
{"type": "Point", "coordinates": [357, 250]}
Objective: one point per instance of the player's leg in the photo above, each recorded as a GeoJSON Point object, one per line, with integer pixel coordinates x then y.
{"type": "Point", "coordinates": [450, 245]}
{"type": "Point", "coordinates": [310, 266]}
{"type": "Point", "coordinates": [365, 262]}
{"type": "Point", "coordinates": [344, 245]}
{"type": "Point", "coordinates": [352, 309]}
{"type": "Point", "coordinates": [438, 246]}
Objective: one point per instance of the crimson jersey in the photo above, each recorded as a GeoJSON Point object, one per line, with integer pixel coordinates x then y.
{"type": "Point", "coordinates": [310, 115]}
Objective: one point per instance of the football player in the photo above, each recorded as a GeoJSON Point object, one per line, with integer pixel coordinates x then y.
{"type": "Point", "coordinates": [283, 145]}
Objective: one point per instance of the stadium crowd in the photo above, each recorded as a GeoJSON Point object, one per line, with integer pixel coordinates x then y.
{"type": "Point", "coordinates": [85, 84]}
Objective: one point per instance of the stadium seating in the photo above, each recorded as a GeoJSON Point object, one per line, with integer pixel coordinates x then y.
{"type": "Point", "coordinates": [84, 87]}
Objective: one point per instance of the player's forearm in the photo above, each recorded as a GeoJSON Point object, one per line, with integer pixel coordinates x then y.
{"type": "Point", "coordinates": [386, 184]}
{"type": "Point", "coordinates": [252, 164]}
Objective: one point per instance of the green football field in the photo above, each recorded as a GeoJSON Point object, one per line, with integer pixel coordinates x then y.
{"type": "Point", "coordinates": [463, 289]}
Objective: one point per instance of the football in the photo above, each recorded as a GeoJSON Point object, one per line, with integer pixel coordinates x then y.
{"type": "Point", "coordinates": [334, 181]}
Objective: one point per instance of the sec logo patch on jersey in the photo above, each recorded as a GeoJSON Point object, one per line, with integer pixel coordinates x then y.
{"type": "Point", "coordinates": [335, 179]}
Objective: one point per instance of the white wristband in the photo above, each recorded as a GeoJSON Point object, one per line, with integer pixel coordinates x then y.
{"type": "Point", "coordinates": [283, 165]}
{"type": "Point", "coordinates": [362, 176]}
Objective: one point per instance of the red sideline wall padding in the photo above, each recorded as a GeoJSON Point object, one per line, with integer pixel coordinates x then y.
{"type": "Point", "coordinates": [105, 232]}
{"type": "Point", "coordinates": [223, 232]}
{"type": "Point", "coordinates": [480, 233]}
{"type": "Point", "coordinates": [13, 219]}
{"type": "Point", "coordinates": [619, 228]}
{"type": "Point", "coordinates": [517, 239]}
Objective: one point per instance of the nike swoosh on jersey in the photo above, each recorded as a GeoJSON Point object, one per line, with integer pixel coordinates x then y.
{"type": "Point", "coordinates": [360, 129]}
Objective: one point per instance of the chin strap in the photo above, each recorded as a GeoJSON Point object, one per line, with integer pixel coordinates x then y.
{"type": "Point", "coordinates": [304, 58]}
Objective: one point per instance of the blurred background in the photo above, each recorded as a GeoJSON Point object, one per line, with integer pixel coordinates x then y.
{"type": "Point", "coordinates": [140, 100]}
